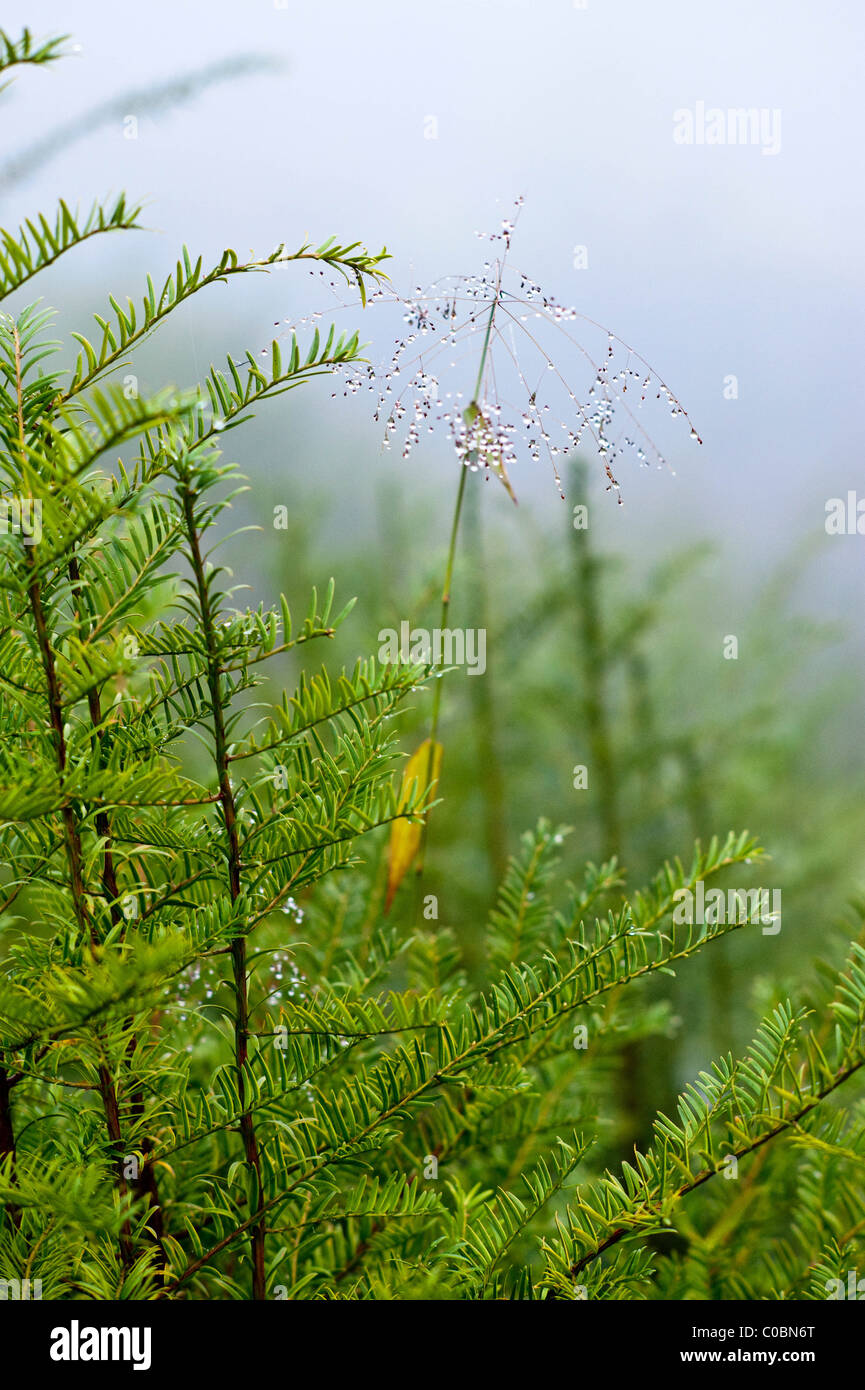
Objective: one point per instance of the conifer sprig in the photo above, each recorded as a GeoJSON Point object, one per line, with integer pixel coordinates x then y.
{"type": "Point", "coordinates": [225, 1073]}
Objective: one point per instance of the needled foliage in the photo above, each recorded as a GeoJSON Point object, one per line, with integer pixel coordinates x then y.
{"type": "Point", "coordinates": [226, 1071]}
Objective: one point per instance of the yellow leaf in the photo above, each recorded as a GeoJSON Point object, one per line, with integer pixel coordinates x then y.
{"type": "Point", "coordinates": [422, 770]}
{"type": "Point", "coordinates": [485, 452]}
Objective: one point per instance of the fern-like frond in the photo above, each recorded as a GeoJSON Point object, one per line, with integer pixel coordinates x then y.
{"type": "Point", "coordinates": [38, 243]}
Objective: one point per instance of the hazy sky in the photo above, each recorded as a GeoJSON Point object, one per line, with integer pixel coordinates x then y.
{"type": "Point", "coordinates": [713, 259]}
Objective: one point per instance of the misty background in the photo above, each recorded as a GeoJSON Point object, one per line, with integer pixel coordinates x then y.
{"type": "Point", "coordinates": [712, 261]}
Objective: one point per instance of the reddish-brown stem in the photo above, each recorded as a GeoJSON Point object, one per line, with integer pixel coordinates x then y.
{"type": "Point", "coordinates": [7, 1135]}
{"type": "Point", "coordinates": [238, 946]}
{"type": "Point", "coordinates": [70, 827]}
{"type": "Point", "coordinates": [144, 1185]}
